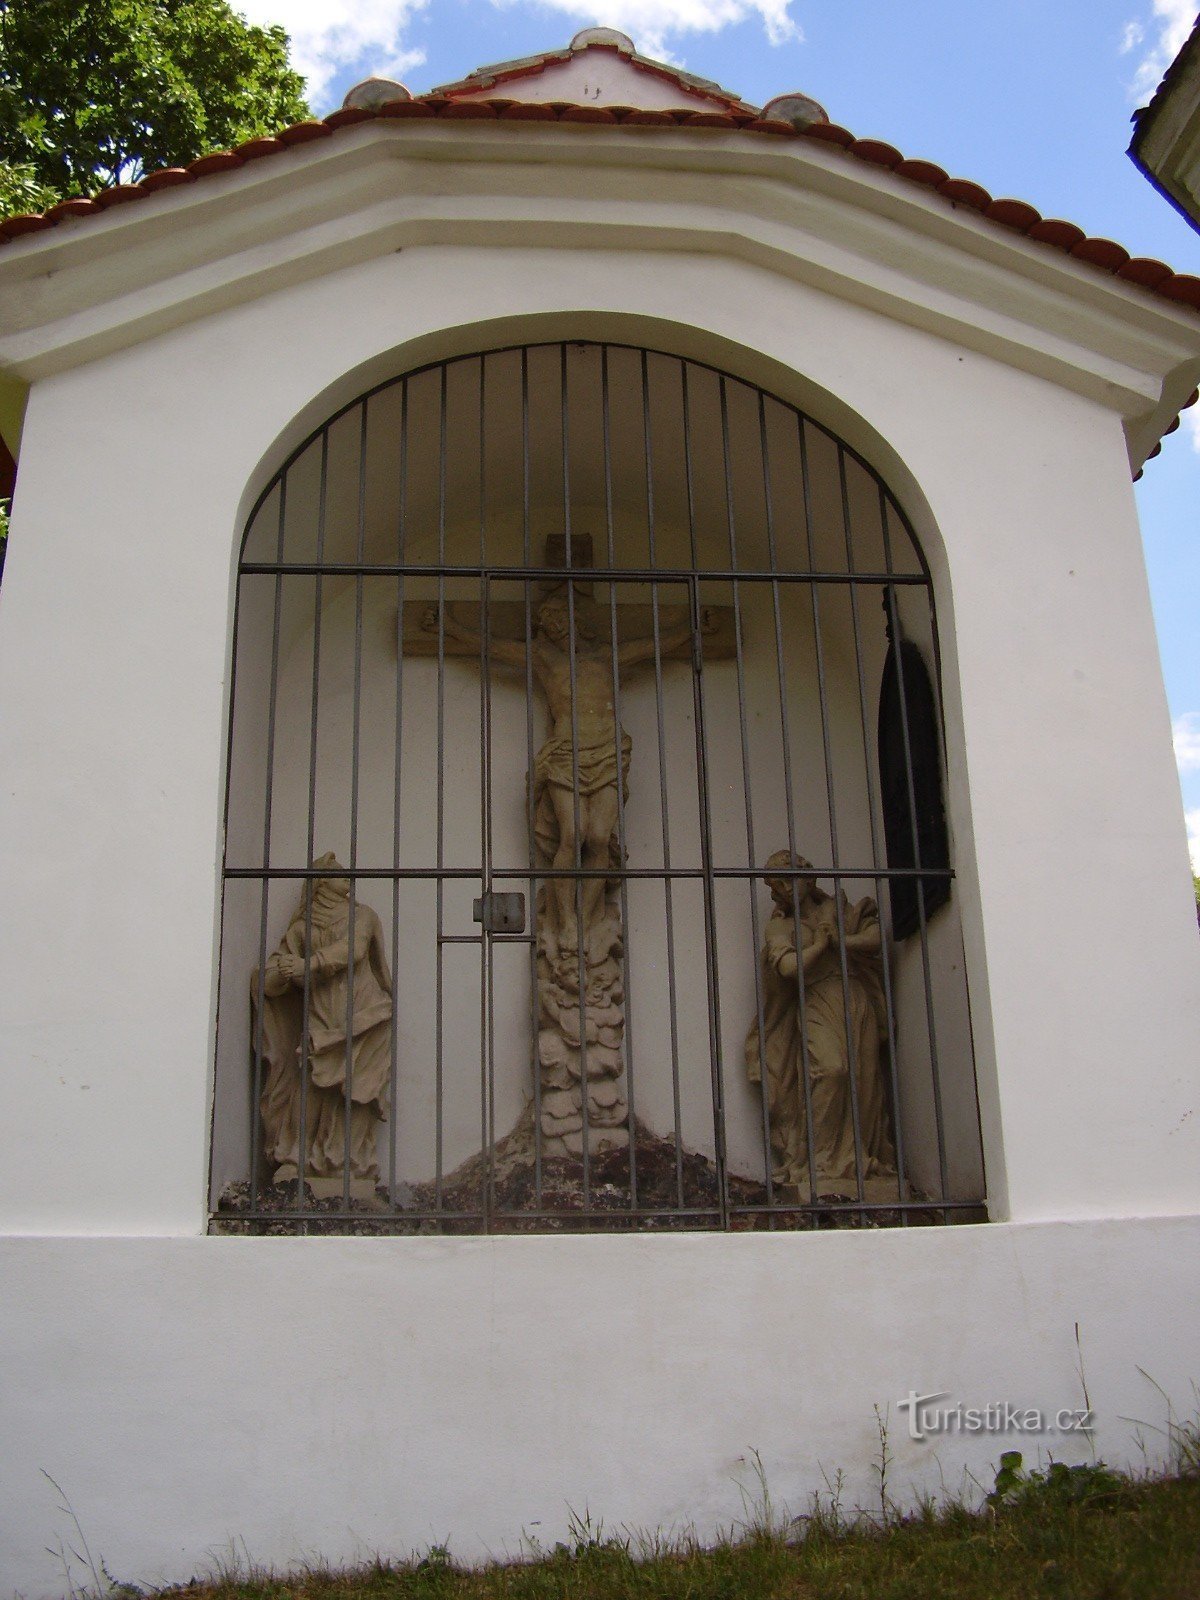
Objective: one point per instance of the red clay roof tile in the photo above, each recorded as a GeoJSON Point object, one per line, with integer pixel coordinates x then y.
{"type": "Point", "coordinates": [964, 193]}
{"type": "Point", "coordinates": [121, 195]}
{"type": "Point", "coordinates": [1184, 288]}
{"type": "Point", "coordinates": [1053, 230]}
{"type": "Point", "coordinates": [828, 133]}
{"type": "Point", "coordinates": [1015, 214]}
{"type": "Point", "coordinates": [27, 222]}
{"type": "Point", "coordinates": [878, 153]}
{"type": "Point", "coordinates": [71, 208]}
{"type": "Point", "coordinates": [253, 149]}
{"type": "Point", "coordinates": [529, 111]}
{"type": "Point", "coordinates": [574, 113]}
{"type": "Point", "coordinates": [1106, 253]}
{"type": "Point", "coordinates": [220, 161]}
{"type": "Point", "coordinates": [303, 132]}
{"type": "Point", "coordinates": [167, 178]}
{"type": "Point", "coordinates": [1147, 272]}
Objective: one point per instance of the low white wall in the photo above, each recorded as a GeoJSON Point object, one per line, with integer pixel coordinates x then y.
{"type": "Point", "coordinates": [197, 1398]}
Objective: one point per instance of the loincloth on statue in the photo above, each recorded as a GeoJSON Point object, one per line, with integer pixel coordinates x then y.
{"type": "Point", "coordinates": [556, 766]}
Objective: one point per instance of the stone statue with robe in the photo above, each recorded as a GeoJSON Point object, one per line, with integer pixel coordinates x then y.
{"type": "Point", "coordinates": [841, 1039]}
{"type": "Point", "coordinates": [349, 999]}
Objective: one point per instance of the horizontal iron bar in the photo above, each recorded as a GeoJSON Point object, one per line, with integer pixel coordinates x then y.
{"type": "Point", "coordinates": [661, 1213]}
{"type": "Point", "coordinates": [616, 873]}
{"type": "Point", "coordinates": [656, 575]}
{"type": "Point", "coordinates": [313, 1215]}
{"type": "Point", "coordinates": [858, 1205]}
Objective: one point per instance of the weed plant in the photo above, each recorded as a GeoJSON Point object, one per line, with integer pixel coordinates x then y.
{"type": "Point", "coordinates": [1068, 1532]}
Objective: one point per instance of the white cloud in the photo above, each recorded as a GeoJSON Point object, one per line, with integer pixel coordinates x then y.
{"type": "Point", "coordinates": [649, 23]}
{"type": "Point", "coordinates": [1186, 732]}
{"type": "Point", "coordinates": [1191, 425]}
{"type": "Point", "coordinates": [1171, 21]}
{"type": "Point", "coordinates": [330, 35]}
{"type": "Point", "coordinates": [1192, 819]}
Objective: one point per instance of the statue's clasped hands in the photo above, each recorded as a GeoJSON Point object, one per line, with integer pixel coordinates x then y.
{"type": "Point", "coordinates": [291, 967]}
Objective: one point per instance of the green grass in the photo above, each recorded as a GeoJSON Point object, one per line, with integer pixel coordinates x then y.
{"type": "Point", "coordinates": [1082, 1533]}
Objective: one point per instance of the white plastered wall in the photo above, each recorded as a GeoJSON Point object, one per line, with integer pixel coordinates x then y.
{"type": "Point", "coordinates": [114, 652]}
{"type": "Point", "coordinates": [112, 825]}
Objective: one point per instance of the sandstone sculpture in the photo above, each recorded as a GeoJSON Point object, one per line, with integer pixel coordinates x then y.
{"type": "Point", "coordinates": [317, 994]}
{"type": "Point", "coordinates": [839, 1035]}
{"type": "Point", "coordinates": [575, 804]}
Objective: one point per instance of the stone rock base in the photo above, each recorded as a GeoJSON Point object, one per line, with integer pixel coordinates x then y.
{"type": "Point", "coordinates": [331, 1188]}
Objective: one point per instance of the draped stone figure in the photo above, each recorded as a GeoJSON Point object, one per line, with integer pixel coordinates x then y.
{"type": "Point", "coordinates": [802, 946]}
{"type": "Point", "coordinates": [349, 996]}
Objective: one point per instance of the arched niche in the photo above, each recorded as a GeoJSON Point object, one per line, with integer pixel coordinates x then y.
{"type": "Point", "coordinates": [677, 493]}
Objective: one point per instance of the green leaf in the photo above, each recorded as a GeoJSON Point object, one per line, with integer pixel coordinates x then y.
{"type": "Point", "coordinates": [97, 92]}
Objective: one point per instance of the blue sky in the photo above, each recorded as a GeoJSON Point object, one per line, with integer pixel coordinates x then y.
{"type": "Point", "coordinates": [1031, 98]}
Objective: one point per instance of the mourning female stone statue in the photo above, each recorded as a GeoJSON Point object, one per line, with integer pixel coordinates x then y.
{"type": "Point", "coordinates": [305, 1075]}
{"type": "Point", "coordinates": [840, 1037]}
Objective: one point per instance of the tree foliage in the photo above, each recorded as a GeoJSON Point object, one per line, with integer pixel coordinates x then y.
{"type": "Point", "coordinates": [21, 190]}
{"type": "Point", "coordinates": [96, 92]}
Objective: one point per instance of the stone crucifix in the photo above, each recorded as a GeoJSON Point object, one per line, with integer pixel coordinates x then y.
{"type": "Point", "coordinates": [575, 803]}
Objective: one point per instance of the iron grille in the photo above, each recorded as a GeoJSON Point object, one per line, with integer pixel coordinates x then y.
{"type": "Point", "coordinates": [748, 584]}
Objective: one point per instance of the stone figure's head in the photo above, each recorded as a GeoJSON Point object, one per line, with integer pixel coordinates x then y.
{"type": "Point", "coordinates": [782, 891]}
{"type": "Point", "coordinates": [554, 619]}
{"type": "Point", "coordinates": [326, 891]}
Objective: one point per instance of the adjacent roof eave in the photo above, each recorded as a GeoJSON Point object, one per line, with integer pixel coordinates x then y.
{"type": "Point", "coordinates": [791, 204]}
{"type": "Point", "coordinates": [1166, 140]}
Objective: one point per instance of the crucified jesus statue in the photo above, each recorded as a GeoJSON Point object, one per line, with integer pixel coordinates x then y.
{"type": "Point", "coordinates": [578, 782]}
{"type": "Point", "coordinates": [575, 774]}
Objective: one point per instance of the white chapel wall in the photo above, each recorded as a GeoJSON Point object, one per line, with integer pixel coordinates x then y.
{"type": "Point", "coordinates": [464, 1417]}
{"type": "Point", "coordinates": [128, 560]}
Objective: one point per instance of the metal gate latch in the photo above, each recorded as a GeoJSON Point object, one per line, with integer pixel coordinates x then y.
{"type": "Point", "coordinates": [500, 913]}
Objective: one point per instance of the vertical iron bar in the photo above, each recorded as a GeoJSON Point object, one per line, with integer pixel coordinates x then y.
{"type": "Point", "coordinates": [739, 646]}
{"type": "Point", "coordinates": [715, 1047]}
{"type": "Point", "coordinates": [884, 952]}
{"type": "Point", "coordinates": [897, 639]}
{"type": "Point", "coordinates": [355, 736]}
{"type": "Point", "coordinates": [664, 811]}
{"type": "Point", "coordinates": [744, 733]}
{"type": "Point", "coordinates": [487, 950]}
{"type": "Point", "coordinates": [272, 705]}
{"type": "Point", "coordinates": [801, 993]}
{"type": "Point", "coordinates": [401, 542]}
{"type": "Point", "coordinates": [310, 884]}
{"type": "Point", "coordinates": [785, 733]}
{"type": "Point", "coordinates": [439, 985]}
{"type": "Point", "coordinates": [534, 1004]}
{"type": "Point", "coordinates": [486, 942]}
{"type": "Point", "coordinates": [831, 802]}
{"type": "Point", "coordinates": [580, 940]}
{"type": "Point", "coordinates": [623, 890]}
